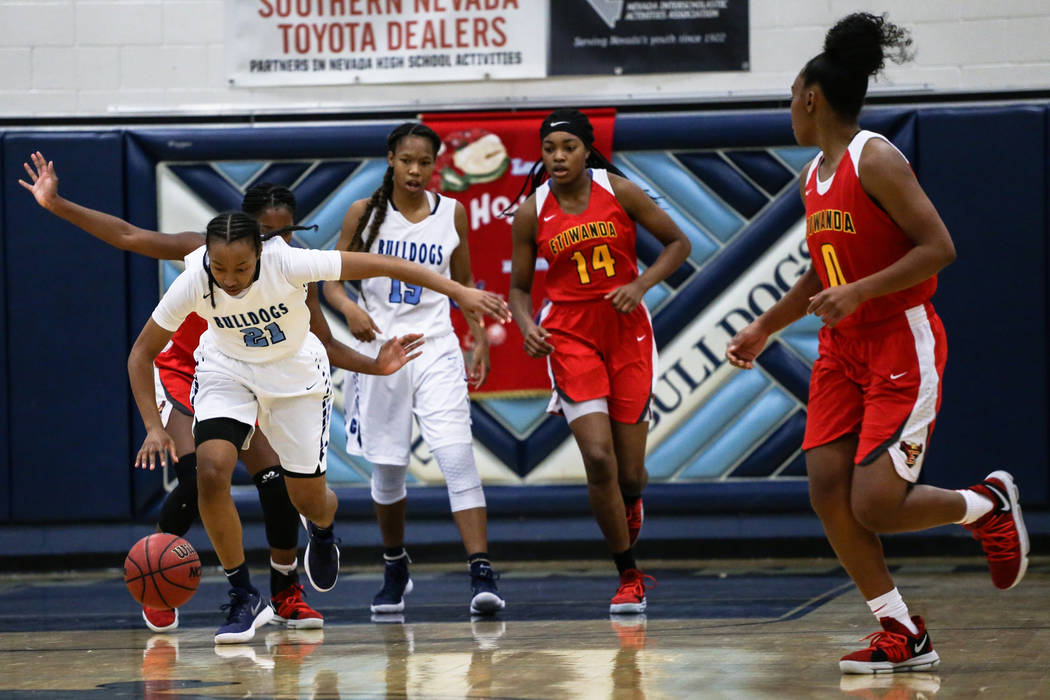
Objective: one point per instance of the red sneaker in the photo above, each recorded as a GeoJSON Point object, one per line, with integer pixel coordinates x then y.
{"type": "Point", "coordinates": [290, 608]}
{"type": "Point", "coordinates": [893, 649]}
{"type": "Point", "coordinates": [161, 620]}
{"type": "Point", "coordinates": [1002, 532]}
{"type": "Point", "coordinates": [635, 517]}
{"type": "Point", "coordinates": [630, 596]}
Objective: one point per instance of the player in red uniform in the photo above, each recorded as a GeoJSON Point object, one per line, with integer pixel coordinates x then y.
{"type": "Point", "coordinates": [595, 333]}
{"type": "Point", "coordinates": [876, 243]}
{"type": "Point", "coordinates": [274, 207]}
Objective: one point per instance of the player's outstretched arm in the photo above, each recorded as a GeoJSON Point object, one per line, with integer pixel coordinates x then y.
{"type": "Point", "coordinates": [393, 355]}
{"type": "Point", "coordinates": [472, 302]}
{"type": "Point", "coordinates": [110, 229]}
{"type": "Point", "coordinates": [158, 444]}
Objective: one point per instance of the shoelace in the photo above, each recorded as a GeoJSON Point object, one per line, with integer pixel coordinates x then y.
{"type": "Point", "coordinates": [638, 585]}
{"type": "Point", "coordinates": [238, 607]}
{"type": "Point", "coordinates": [292, 596]}
{"type": "Point", "coordinates": [999, 538]}
{"type": "Point", "coordinates": [892, 644]}
{"type": "Point", "coordinates": [485, 577]}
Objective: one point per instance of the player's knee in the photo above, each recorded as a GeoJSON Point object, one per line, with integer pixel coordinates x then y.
{"type": "Point", "coordinates": [388, 484]}
{"type": "Point", "coordinates": [461, 476]}
{"type": "Point", "coordinates": [280, 517]}
{"type": "Point", "coordinates": [874, 512]}
{"type": "Point", "coordinates": [599, 461]}
{"type": "Point", "coordinates": [473, 497]}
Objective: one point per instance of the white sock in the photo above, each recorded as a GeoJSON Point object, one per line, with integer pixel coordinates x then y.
{"type": "Point", "coordinates": [892, 605]}
{"type": "Point", "coordinates": [976, 506]}
{"type": "Point", "coordinates": [285, 569]}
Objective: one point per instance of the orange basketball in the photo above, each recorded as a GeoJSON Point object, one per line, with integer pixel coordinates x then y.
{"type": "Point", "coordinates": [162, 571]}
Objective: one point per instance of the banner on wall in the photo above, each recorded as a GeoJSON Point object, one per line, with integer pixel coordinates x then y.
{"type": "Point", "coordinates": [483, 164]}
{"type": "Point", "coordinates": [599, 37]}
{"type": "Point", "coordinates": [332, 42]}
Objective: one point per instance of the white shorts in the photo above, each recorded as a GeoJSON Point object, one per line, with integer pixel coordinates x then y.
{"type": "Point", "coordinates": [291, 399]}
{"type": "Point", "coordinates": [433, 387]}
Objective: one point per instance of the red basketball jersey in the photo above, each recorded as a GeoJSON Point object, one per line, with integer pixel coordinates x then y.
{"type": "Point", "coordinates": [178, 354]}
{"type": "Point", "coordinates": [850, 237]}
{"type": "Point", "coordinates": [589, 254]}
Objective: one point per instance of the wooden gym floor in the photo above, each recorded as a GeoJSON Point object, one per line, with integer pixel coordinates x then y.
{"type": "Point", "coordinates": [719, 629]}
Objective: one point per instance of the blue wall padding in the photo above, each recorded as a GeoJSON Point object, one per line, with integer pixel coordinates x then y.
{"type": "Point", "coordinates": [775, 450]}
{"type": "Point", "coordinates": [66, 332]}
{"type": "Point", "coordinates": [985, 171]}
{"type": "Point", "coordinates": [726, 181]}
{"type": "Point", "coordinates": [5, 427]}
{"type": "Point", "coordinates": [281, 173]}
{"type": "Point", "coordinates": [763, 169]}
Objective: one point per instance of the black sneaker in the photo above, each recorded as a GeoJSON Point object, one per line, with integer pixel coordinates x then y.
{"type": "Point", "coordinates": [486, 600]}
{"type": "Point", "coordinates": [321, 559]}
{"type": "Point", "coordinates": [396, 585]}
{"type": "Point", "coordinates": [246, 610]}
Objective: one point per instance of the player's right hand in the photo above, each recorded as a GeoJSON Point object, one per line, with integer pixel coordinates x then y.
{"type": "Point", "coordinates": [476, 303]}
{"type": "Point", "coordinates": [44, 179]}
{"type": "Point", "coordinates": [155, 450]}
{"type": "Point", "coordinates": [361, 324]}
{"type": "Point", "coordinates": [745, 346]}
{"type": "Point", "coordinates": [536, 344]}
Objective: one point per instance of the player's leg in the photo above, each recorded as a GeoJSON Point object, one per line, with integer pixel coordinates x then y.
{"type": "Point", "coordinates": [390, 500]}
{"type": "Point", "coordinates": [442, 408]}
{"type": "Point", "coordinates": [282, 524]}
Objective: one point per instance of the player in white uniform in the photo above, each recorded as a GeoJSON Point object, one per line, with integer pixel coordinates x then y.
{"type": "Point", "coordinates": [402, 218]}
{"type": "Point", "coordinates": [258, 362]}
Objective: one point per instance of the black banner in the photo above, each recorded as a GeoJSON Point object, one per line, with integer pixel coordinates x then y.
{"type": "Point", "coordinates": [594, 37]}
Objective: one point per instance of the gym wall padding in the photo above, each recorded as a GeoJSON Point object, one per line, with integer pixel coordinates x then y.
{"type": "Point", "coordinates": [66, 338]}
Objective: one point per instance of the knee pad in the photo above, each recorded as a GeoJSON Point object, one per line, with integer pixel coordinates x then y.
{"type": "Point", "coordinates": [388, 483]}
{"type": "Point", "coordinates": [279, 515]}
{"type": "Point", "coordinates": [179, 509]}
{"type": "Point", "coordinates": [461, 476]}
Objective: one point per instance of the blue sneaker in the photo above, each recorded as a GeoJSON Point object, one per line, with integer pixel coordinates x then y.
{"type": "Point", "coordinates": [246, 610]}
{"type": "Point", "coordinates": [321, 559]}
{"type": "Point", "coordinates": [396, 585]}
{"type": "Point", "coordinates": [486, 600]}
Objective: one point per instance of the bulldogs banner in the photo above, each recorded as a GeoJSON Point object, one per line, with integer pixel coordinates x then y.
{"type": "Point", "coordinates": [483, 164]}
{"type": "Point", "coordinates": [331, 42]}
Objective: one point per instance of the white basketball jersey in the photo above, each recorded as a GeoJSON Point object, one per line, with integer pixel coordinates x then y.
{"type": "Point", "coordinates": [266, 322]}
{"type": "Point", "coordinates": [399, 308]}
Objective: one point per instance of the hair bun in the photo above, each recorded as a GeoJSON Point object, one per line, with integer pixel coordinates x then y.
{"type": "Point", "coordinates": [860, 43]}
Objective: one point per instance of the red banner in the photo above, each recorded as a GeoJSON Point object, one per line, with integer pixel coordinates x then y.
{"type": "Point", "coordinates": [483, 164]}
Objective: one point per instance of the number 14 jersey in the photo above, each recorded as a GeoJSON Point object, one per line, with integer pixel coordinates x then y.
{"type": "Point", "coordinates": [591, 253]}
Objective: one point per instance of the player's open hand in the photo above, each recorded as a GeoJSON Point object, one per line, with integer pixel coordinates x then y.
{"type": "Point", "coordinates": [398, 352]}
{"type": "Point", "coordinates": [536, 344]}
{"type": "Point", "coordinates": [478, 369]}
{"type": "Point", "coordinates": [361, 324]}
{"type": "Point", "coordinates": [745, 346]}
{"type": "Point", "coordinates": [475, 303]}
{"type": "Point", "coordinates": [155, 450]}
{"type": "Point", "coordinates": [44, 185]}
{"type": "Point", "coordinates": [625, 299]}
{"type": "Point", "coordinates": [835, 303]}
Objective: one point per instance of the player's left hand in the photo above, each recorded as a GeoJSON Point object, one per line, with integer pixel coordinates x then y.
{"type": "Point", "coordinates": [155, 450]}
{"type": "Point", "coordinates": [475, 303]}
{"type": "Point", "coordinates": [835, 303]}
{"type": "Point", "coordinates": [625, 299]}
{"type": "Point", "coordinates": [478, 371]}
{"type": "Point", "coordinates": [398, 352]}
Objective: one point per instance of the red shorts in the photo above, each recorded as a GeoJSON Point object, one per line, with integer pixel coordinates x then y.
{"type": "Point", "coordinates": [176, 387]}
{"type": "Point", "coordinates": [883, 385]}
{"type": "Point", "coordinates": [602, 353]}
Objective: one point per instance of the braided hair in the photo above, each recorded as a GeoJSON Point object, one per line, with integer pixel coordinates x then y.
{"type": "Point", "coordinates": [576, 123]}
{"type": "Point", "coordinates": [377, 203]}
{"type": "Point", "coordinates": [855, 49]}
{"type": "Point", "coordinates": [266, 195]}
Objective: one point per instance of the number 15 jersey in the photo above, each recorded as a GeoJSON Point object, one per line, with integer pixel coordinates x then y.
{"type": "Point", "coordinates": [591, 253]}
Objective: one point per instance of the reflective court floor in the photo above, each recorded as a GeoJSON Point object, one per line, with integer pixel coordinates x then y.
{"type": "Point", "coordinates": [723, 629]}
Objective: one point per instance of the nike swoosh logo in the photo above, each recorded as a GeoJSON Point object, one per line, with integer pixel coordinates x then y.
{"type": "Point", "coordinates": [548, 218]}
{"type": "Point", "coordinates": [640, 338]}
{"type": "Point", "coordinates": [558, 123]}
{"type": "Point", "coordinates": [809, 192]}
{"type": "Point", "coordinates": [1003, 498]}
{"type": "Point", "coordinates": [898, 376]}
{"type": "Point", "coordinates": [311, 386]}
{"type": "Point", "coordinates": [921, 644]}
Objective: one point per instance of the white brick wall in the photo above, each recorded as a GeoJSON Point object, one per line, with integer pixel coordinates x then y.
{"type": "Point", "coordinates": [97, 57]}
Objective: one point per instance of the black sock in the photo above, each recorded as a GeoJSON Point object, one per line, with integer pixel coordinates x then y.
{"type": "Point", "coordinates": [630, 499]}
{"type": "Point", "coordinates": [392, 553]}
{"type": "Point", "coordinates": [238, 576]}
{"type": "Point", "coordinates": [478, 559]}
{"type": "Point", "coordinates": [625, 560]}
{"type": "Point", "coordinates": [322, 533]}
{"type": "Point", "coordinates": [280, 581]}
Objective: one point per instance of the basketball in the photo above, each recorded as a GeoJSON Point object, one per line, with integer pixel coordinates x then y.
{"type": "Point", "coordinates": [162, 571]}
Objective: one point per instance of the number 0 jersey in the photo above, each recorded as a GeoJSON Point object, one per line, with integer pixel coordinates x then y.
{"type": "Point", "coordinates": [591, 253]}
{"type": "Point", "coordinates": [850, 237]}
{"type": "Point", "coordinates": [266, 322]}
{"type": "Point", "coordinates": [399, 308]}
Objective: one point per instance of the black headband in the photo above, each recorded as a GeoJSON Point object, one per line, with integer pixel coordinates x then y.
{"type": "Point", "coordinates": [572, 121]}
